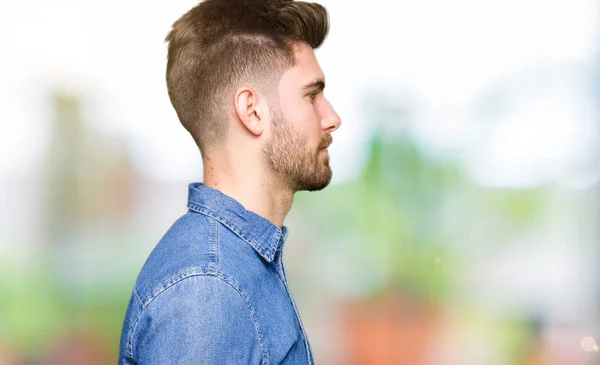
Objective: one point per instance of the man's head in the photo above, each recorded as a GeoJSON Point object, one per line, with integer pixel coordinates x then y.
{"type": "Point", "coordinates": [242, 75]}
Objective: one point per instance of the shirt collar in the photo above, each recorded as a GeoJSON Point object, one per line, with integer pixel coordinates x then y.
{"type": "Point", "coordinates": [264, 237]}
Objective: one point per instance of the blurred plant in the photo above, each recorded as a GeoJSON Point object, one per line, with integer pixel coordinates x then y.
{"type": "Point", "coordinates": [399, 226]}
{"type": "Point", "coordinates": [67, 288]}
{"type": "Point", "coordinates": [391, 220]}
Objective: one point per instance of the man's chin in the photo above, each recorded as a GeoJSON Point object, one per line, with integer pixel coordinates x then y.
{"type": "Point", "coordinates": [314, 188]}
{"type": "Point", "coordinates": [316, 185]}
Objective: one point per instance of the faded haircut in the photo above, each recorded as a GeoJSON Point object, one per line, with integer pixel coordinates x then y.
{"type": "Point", "coordinates": [220, 45]}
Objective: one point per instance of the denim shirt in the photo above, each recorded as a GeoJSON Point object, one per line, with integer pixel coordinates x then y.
{"type": "Point", "coordinates": [214, 291]}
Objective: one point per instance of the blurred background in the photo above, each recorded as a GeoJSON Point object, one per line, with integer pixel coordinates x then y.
{"type": "Point", "coordinates": [461, 227]}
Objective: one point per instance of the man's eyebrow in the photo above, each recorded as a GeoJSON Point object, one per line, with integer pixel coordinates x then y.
{"type": "Point", "coordinates": [318, 83]}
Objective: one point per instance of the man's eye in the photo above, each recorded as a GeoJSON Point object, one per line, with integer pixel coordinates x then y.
{"type": "Point", "coordinates": [313, 95]}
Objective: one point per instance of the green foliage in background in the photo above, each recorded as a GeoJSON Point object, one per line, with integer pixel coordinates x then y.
{"type": "Point", "coordinates": [401, 222]}
{"type": "Point", "coordinates": [39, 310]}
{"type": "Point", "coordinates": [393, 219]}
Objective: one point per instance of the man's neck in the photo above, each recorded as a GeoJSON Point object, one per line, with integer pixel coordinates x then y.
{"type": "Point", "coordinates": [255, 191]}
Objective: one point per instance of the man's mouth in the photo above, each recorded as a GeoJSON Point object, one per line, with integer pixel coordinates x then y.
{"type": "Point", "coordinates": [326, 144]}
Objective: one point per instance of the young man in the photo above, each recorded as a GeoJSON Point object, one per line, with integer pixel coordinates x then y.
{"type": "Point", "coordinates": [244, 80]}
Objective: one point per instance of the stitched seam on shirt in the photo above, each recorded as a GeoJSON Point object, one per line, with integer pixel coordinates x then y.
{"type": "Point", "coordinates": [174, 280]}
{"type": "Point", "coordinates": [217, 245]}
{"type": "Point", "coordinates": [296, 311]}
{"type": "Point", "coordinates": [227, 280]}
{"type": "Point", "coordinates": [235, 285]}
{"type": "Point", "coordinates": [137, 296]}
{"type": "Point", "coordinates": [132, 333]}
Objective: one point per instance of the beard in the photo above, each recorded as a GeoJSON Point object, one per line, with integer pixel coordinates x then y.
{"type": "Point", "coordinates": [288, 156]}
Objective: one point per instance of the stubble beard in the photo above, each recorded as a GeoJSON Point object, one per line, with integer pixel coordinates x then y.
{"type": "Point", "coordinates": [287, 156]}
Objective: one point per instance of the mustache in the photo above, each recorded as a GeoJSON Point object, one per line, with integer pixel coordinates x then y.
{"type": "Point", "coordinates": [326, 142]}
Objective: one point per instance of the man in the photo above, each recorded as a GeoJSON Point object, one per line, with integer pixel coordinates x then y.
{"type": "Point", "coordinates": [244, 81]}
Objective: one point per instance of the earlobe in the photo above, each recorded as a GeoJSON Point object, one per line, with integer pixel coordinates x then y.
{"type": "Point", "coordinates": [247, 110]}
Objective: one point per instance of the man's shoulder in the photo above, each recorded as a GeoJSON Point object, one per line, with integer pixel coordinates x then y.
{"type": "Point", "coordinates": [196, 315]}
{"type": "Point", "coordinates": [186, 249]}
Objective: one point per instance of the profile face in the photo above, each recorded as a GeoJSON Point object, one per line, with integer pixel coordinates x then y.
{"type": "Point", "coordinates": [301, 126]}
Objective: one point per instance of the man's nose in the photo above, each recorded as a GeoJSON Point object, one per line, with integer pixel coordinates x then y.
{"type": "Point", "coordinates": [332, 120]}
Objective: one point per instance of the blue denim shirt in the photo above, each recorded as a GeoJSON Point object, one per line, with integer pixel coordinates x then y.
{"type": "Point", "coordinates": [214, 291]}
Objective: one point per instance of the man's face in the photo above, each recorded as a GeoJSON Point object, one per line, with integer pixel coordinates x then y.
{"type": "Point", "coordinates": [301, 127]}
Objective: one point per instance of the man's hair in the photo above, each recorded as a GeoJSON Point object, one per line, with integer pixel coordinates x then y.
{"type": "Point", "coordinates": [220, 45]}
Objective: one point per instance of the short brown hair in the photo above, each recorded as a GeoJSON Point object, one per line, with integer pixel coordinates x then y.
{"type": "Point", "coordinates": [219, 44]}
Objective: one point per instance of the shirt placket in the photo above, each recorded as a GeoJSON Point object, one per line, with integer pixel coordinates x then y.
{"type": "Point", "coordinates": [285, 284]}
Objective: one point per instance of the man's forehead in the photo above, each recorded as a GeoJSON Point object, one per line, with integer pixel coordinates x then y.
{"type": "Point", "coordinates": [307, 67]}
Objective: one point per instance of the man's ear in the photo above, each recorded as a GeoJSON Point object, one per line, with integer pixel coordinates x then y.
{"type": "Point", "coordinates": [250, 107]}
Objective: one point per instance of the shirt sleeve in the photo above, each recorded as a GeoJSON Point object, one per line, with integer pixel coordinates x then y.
{"type": "Point", "coordinates": [199, 320]}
